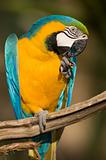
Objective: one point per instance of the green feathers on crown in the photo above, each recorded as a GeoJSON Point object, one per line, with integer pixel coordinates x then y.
{"type": "Point", "coordinates": [81, 26]}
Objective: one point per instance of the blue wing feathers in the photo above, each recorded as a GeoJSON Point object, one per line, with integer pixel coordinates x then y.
{"type": "Point", "coordinates": [70, 87]}
{"type": "Point", "coordinates": [12, 73]}
{"type": "Point", "coordinates": [71, 83]}
{"type": "Point", "coordinates": [60, 101]}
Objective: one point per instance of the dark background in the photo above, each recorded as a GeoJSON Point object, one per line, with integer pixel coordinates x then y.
{"type": "Point", "coordinates": [85, 140]}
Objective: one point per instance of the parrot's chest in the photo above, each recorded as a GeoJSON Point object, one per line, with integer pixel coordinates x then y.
{"type": "Point", "coordinates": [41, 82]}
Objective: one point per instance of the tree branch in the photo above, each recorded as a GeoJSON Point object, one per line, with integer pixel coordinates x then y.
{"type": "Point", "coordinates": [20, 146]}
{"type": "Point", "coordinates": [29, 127]}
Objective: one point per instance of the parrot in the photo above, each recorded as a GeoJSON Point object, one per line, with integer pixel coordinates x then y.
{"type": "Point", "coordinates": [40, 70]}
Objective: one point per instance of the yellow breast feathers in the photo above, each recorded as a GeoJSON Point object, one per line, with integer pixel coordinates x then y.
{"type": "Point", "coordinates": [40, 80]}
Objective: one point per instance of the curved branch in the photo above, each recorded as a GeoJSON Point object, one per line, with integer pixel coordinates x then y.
{"type": "Point", "coordinates": [29, 127]}
{"type": "Point", "coordinates": [19, 147]}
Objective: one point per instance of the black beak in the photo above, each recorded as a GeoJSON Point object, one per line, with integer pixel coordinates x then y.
{"type": "Point", "coordinates": [77, 48]}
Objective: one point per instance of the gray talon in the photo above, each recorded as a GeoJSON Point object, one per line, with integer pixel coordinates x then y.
{"type": "Point", "coordinates": [65, 68]}
{"type": "Point", "coordinates": [42, 120]}
{"type": "Point", "coordinates": [63, 63]}
{"type": "Point", "coordinates": [66, 61]}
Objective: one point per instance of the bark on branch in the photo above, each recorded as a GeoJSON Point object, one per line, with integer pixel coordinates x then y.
{"type": "Point", "coordinates": [19, 147]}
{"type": "Point", "coordinates": [29, 127]}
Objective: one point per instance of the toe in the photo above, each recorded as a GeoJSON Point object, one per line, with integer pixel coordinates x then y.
{"type": "Point", "coordinates": [42, 120]}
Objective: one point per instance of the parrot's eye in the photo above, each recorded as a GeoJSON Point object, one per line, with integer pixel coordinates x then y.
{"type": "Point", "coordinates": [73, 29]}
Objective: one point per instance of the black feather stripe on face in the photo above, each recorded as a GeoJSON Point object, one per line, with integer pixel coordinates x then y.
{"type": "Point", "coordinates": [51, 44]}
{"type": "Point", "coordinates": [68, 35]}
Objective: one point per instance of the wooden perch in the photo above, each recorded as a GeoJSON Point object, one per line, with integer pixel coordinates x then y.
{"type": "Point", "coordinates": [20, 146]}
{"type": "Point", "coordinates": [29, 127]}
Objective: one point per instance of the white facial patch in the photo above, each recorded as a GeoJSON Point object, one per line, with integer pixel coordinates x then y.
{"type": "Point", "coordinates": [64, 40]}
{"type": "Point", "coordinates": [67, 37]}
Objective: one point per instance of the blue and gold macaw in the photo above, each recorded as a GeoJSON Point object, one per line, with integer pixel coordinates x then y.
{"type": "Point", "coordinates": [40, 70]}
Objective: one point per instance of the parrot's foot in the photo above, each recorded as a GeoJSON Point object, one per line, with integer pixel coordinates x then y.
{"type": "Point", "coordinates": [42, 120]}
{"type": "Point", "coordinates": [65, 67]}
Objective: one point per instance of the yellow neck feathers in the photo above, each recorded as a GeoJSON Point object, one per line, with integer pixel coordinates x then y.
{"type": "Point", "coordinates": [44, 32]}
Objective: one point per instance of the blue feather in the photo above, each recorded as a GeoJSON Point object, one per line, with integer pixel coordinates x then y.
{"type": "Point", "coordinates": [60, 101]}
{"type": "Point", "coordinates": [12, 74]}
{"type": "Point", "coordinates": [71, 82]}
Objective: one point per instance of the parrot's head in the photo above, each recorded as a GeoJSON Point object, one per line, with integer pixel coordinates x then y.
{"type": "Point", "coordinates": [60, 34]}
{"type": "Point", "coordinates": [70, 41]}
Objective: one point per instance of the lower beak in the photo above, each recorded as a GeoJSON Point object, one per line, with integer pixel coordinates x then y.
{"type": "Point", "coordinates": [77, 48]}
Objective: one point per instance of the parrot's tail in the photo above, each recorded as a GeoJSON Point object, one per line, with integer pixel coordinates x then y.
{"type": "Point", "coordinates": [47, 151]}
{"type": "Point", "coordinates": [33, 154]}
{"type": "Point", "coordinates": [50, 155]}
